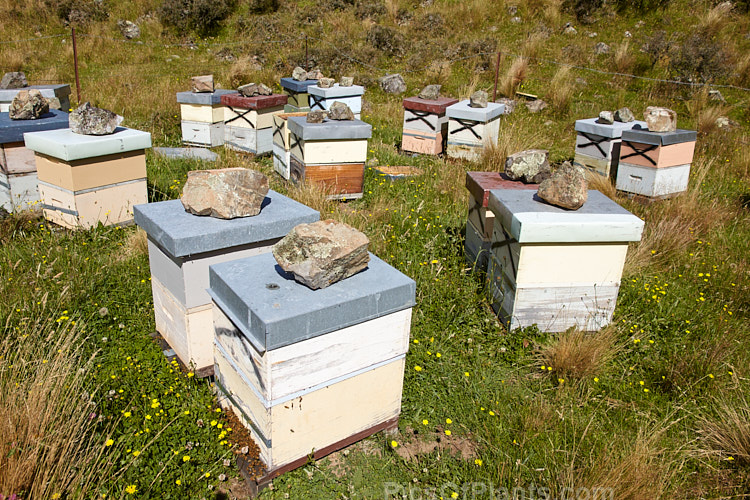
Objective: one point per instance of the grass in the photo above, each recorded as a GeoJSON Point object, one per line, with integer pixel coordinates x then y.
{"type": "Point", "coordinates": [652, 406]}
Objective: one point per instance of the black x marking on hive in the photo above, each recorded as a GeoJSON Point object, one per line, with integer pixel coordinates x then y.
{"type": "Point", "coordinates": [296, 141]}
{"type": "Point", "coordinates": [508, 241]}
{"type": "Point", "coordinates": [317, 100]}
{"type": "Point", "coordinates": [594, 140]}
{"type": "Point", "coordinates": [240, 115]}
{"type": "Point", "coordinates": [640, 152]}
{"type": "Point", "coordinates": [420, 115]}
{"type": "Point", "coordinates": [467, 125]}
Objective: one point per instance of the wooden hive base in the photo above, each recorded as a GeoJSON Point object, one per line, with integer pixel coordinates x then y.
{"type": "Point", "coordinates": [15, 158]}
{"type": "Point", "coordinates": [602, 166]}
{"type": "Point", "coordinates": [471, 152]}
{"type": "Point", "coordinates": [422, 142]}
{"type": "Point", "coordinates": [652, 182]}
{"type": "Point", "coordinates": [207, 135]}
{"type": "Point", "coordinates": [341, 181]}
{"type": "Point", "coordinates": [281, 161]}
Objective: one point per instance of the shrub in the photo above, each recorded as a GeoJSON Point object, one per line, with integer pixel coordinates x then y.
{"type": "Point", "coordinates": [79, 12]}
{"type": "Point", "coordinates": [699, 59]}
{"type": "Point", "coordinates": [657, 47]}
{"type": "Point", "coordinates": [264, 6]}
{"type": "Point", "coordinates": [386, 40]}
{"type": "Point", "coordinates": [641, 6]}
{"type": "Point", "coordinates": [582, 8]}
{"type": "Point", "coordinates": [370, 10]}
{"type": "Point", "coordinates": [199, 16]}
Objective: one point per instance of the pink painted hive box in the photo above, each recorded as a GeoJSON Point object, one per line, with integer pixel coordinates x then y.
{"type": "Point", "coordinates": [425, 124]}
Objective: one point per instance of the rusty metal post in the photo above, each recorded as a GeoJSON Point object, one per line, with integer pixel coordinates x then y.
{"type": "Point", "coordinates": [75, 63]}
{"type": "Point", "coordinates": [307, 62]}
{"type": "Point", "coordinates": [497, 75]}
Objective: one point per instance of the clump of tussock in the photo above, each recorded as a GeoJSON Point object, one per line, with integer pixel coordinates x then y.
{"type": "Point", "coordinates": [575, 354]}
{"type": "Point", "coordinates": [623, 60]}
{"type": "Point", "coordinates": [533, 45]}
{"type": "Point", "coordinates": [604, 185]}
{"type": "Point", "coordinates": [715, 19]}
{"type": "Point", "coordinates": [561, 89]}
{"type": "Point", "coordinates": [513, 78]}
{"type": "Point", "coordinates": [725, 433]}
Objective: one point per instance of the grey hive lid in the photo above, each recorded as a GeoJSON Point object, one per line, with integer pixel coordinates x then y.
{"type": "Point", "coordinates": [329, 130]}
{"type": "Point", "coordinates": [205, 98]}
{"type": "Point", "coordinates": [13, 130]}
{"type": "Point", "coordinates": [613, 131]}
{"type": "Point", "coordinates": [644, 136]}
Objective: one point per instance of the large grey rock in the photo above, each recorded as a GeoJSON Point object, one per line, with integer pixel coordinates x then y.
{"type": "Point", "coordinates": [203, 83]}
{"type": "Point", "coordinates": [624, 115]}
{"type": "Point", "coordinates": [224, 193]}
{"type": "Point", "coordinates": [90, 120]}
{"type": "Point", "coordinates": [606, 117]}
{"type": "Point", "coordinates": [530, 166]}
{"type": "Point", "coordinates": [346, 81]}
{"type": "Point", "coordinates": [600, 48]}
{"type": "Point", "coordinates": [129, 29]}
{"type": "Point", "coordinates": [510, 104]}
{"type": "Point", "coordinates": [392, 84]}
{"type": "Point", "coordinates": [322, 253]}
{"type": "Point", "coordinates": [340, 111]}
{"type": "Point", "coordinates": [536, 106]}
{"type": "Point", "coordinates": [660, 119]}
{"type": "Point", "coordinates": [566, 188]}
{"type": "Point", "coordinates": [316, 116]}
{"type": "Point", "coordinates": [478, 99]}
{"type": "Point", "coordinates": [28, 105]}
{"type": "Point", "coordinates": [326, 83]}
{"type": "Point", "coordinates": [254, 89]}
{"type": "Point", "coordinates": [14, 80]}
{"type": "Point", "coordinates": [431, 92]}
{"type": "Point", "coordinates": [299, 74]}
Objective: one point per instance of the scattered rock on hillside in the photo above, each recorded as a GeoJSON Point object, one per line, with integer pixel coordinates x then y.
{"type": "Point", "coordinates": [515, 20]}
{"type": "Point", "coordinates": [725, 123]}
{"type": "Point", "coordinates": [715, 95]}
{"type": "Point", "coordinates": [340, 111]}
{"type": "Point", "coordinates": [606, 117]}
{"type": "Point", "coordinates": [593, 34]}
{"type": "Point", "coordinates": [28, 105]}
{"type": "Point", "coordinates": [536, 106]}
{"type": "Point", "coordinates": [430, 92]}
{"type": "Point", "coordinates": [129, 29]}
{"type": "Point", "coordinates": [90, 120]}
{"type": "Point", "coordinates": [627, 34]}
{"type": "Point", "coordinates": [224, 193]}
{"type": "Point", "coordinates": [204, 83]}
{"type": "Point", "coordinates": [254, 89]}
{"type": "Point", "coordinates": [510, 104]}
{"type": "Point", "coordinates": [393, 84]}
{"type": "Point", "coordinates": [512, 10]}
{"type": "Point", "coordinates": [601, 48]}
{"type": "Point", "coordinates": [321, 253]}
{"type": "Point", "coordinates": [660, 119]}
{"type": "Point", "coordinates": [624, 115]}
{"type": "Point", "coordinates": [299, 74]}
{"type": "Point", "coordinates": [566, 188]}
{"type": "Point", "coordinates": [316, 116]}
{"type": "Point", "coordinates": [530, 166]}
{"type": "Point", "coordinates": [478, 99]}
{"type": "Point", "coordinates": [569, 29]}
{"type": "Point", "coordinates": [14, 80]}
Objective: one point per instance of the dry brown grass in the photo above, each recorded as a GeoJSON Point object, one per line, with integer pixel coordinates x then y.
{"type": "Point", "coordinates": [561, 89]}
{"type": "Point", "coordinates": [604, 185]}
{"type": "Point", "coordinates": [48, 446]}
{"type": "Point", "coordinates": [623, 59]}
{"type": "Point", "coordinates": [533, 45]}
{"type": "Point", "coordinates": [742, 76]}
{"type": "Point", "coordinates": [726, 433]}
{"type": "Point", "coordinates": [715, 19]}
{"type": "Point", "coordinates": [705, 112]}
{"type": "Point", "coordinates": [576, 355]}
{"type": "Point", "coordinates": [515, 75]}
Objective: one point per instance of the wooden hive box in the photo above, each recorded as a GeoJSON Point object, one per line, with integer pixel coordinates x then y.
{"type": "Point", "coordinates": [322, 99]}
{"type": "Point", "coordinates": [181, 246]}
{"type": "Point", "coordinates": [59, 91]}
{"type": "Point", "coordinates": [655, 164]}
{"type": "Point", "coordinates": [480, 220]}
{"type": "Point", "coordinates": [425, 124]}
{"type": "Point", "coordinates": [87, 179]}
{"type": "Point", "coordinates": [557, 268]}
{"type": "Point", "coordinates": [202, 117]}
{"type": "Point", "coordinates": [299, 99]}
{"type": "Point", "coordinates": [248, 121]}
{"type": "Point", "coordinates": [598, 144]}
{"type": "Point", "coordinates": [332, 154]}
{"type": "Point", "coordinates": [18, 179]}
{"type": "Point", "coordinates": [471, 129]}
{"type": "Point", "coordinates": [309, 370]}
{"type": "Point", "coordinates": [282, 142]}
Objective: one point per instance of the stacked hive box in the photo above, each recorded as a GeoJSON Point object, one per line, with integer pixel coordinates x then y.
{"type": "Point", "coordinates": [18, 180]}
{"type": "Point", "coordinates": [332, 153]}
{"type": "Point", "coordinates": [61, 92]}
{"type": "Point", "coordinates": [299, 99]}
{"type": "Point", "coordinates": [480, 221]}
{"type": "Point", "coordinates": [557, 268]}
{"type": "Point", "coordinates": [425, 124]}
{"type": "Point", "coordinates": [310, 371]}
{"type": "Point", "coordinates": [471, 129]}
{"type": "Point", "coordinates": [323, 98]}
{"type": "Point", "coordinates": [655, 164]}
{"type": "Point", "coordinates": [248, 121]}
{"type": "Point", "coordinates": [202, 117]}
{"type": "Point", "coordinates": [598, 144]}
{"type": "Point", "coordinates": [181, 246]}
{"type": "Point", "coordinates": [282, 142]}
{"type": "Point", "coordinates": [88, 179]}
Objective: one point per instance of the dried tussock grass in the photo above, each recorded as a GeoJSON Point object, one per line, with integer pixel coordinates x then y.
{"type": "Point", "coordinates": [515, 75]}
{"type": "Point", "coordinates": [516, 134]}
{"type": "Point", "coordinates": [623, 59]}
{"type": "Point", "coordinates": [742, 75]}
{"type": "Point", "coordinates": [575, 354]}
{"type": "Point", "coordinates": [533, 45]}
{"type": "Point", "coordinates": [604, 185]}
{"type": "Point", "coordinates": [715, 19]}
{"type": "Point", "coordinates": [705, 112]}
{"type": "Point", "coordinates": [561, 89]}
{"type": "Point", "coordinates": [314, 196]}
{"type": "Point", "coordinates": [726, 433]}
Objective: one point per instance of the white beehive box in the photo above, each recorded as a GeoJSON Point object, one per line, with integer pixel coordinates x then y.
{"type": "Point", "coordinates": [598, 144]}
{"type": "Point", "coordinates": [323, 98]}
{"type": "Point", "coordinates": [202, 117]}
{"type": "Point", "coordinates": [470, 130]}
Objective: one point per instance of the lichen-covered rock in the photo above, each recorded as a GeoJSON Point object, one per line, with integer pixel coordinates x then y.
{"type": "Point", "coordinates": [14, 80]}
{"type": "Point", "coordinates": [566, 188]}
{"type": "Point", "coordinates": [90, 120]}
{"type": "Point", "coordinates": [530, 166]}
{"type": "Point", "coordinates": [129, 29]}
{"type": "Point", "coordinates": [478, 99]}
{"type": "Point", "coordinates": [224, 193]}
{"type": "Point", "coordinates": [393, 84]}
{"type": "Point", "coordinates": [316, 116]}
{"type": "Point", "coordinates": [299, 74]}
{"type": "Point", "coordinates": [204, 83]}
{"type": "Point", "coordinates": [536, 106]}
{"type": "Point", "coordinates": [624, 115]}
{"type": "Point", "coordinates": [322, 253]}
{"type": "Point", "coordinates": [606, 117]}
{"type": "Point", "coordinates": [28, 105]}
{"type": "Point", "coordinates": [326, 83]}
{"type": "Point", "coordinates": [340, 111]}
{"type": "Point", "coordinates": [346, 81]}
{"type": "Point", "coordinates": [431, 92]}
{"type": "Point", "coordinates": [254, 89]}
{"type": "Point", "coordinates": [660, 119]}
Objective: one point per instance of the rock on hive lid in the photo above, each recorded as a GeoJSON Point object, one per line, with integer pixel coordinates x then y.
{"type": "Point", "coordinates": [336, 91]}
{"type": "Point", "coordinates": [207, 98]}
{"type": "Point", "coordinates": [329, 129]}
{"type": "Point", "coordinates": [272, 310]}
{"type": "Point", "coordinates": [659, 138]}
{"type": "Point", "coordinates": [181, 233]}
{"type": "Point", "coordinates": [13, 130]}
{"type": "Point", "coordinates": [68, 146]}
{"type": "Point", "coordinates": [295, 85]}
{"type": "Point", "coordinates": [437, 106]}
{"type": "Point", "coordinates": [615, 130]}
{"type": "Point", "coordinates": [257, 102]}
{"type": "Point", "coordinates": [480, 184]}
{"type": "Point", "coordinates": [528, 219]}
{"type": "Point", "coordinates": [463, 111]}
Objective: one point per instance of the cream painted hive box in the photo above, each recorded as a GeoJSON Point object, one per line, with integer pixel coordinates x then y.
{"type": "Point", "coordinates": [181, 246]}
{"type": "Point", "coordinates": [310, 371]}
{"type": "Point", "coordinates": [655, 164]}
{"type": "Point", "coordinates": [59, 91]}
{"type": "Point", "coordinates": [85, 180]}
{"type": "Point", "coordinates": [322, 98]}
{"type": "Point", "coordinates": [598, 144]}
{"type": "Point", "coordinates": [470, 130]}
{"type": "Point", "coordinates": [425, 124]}
{"type": "Point", "coordinates": [331, 154]}
{"type": "Point", "coordinates": [248, 121]}
{"type": "Point", "coordinates": [480, 220]}
{"type": "Point", "coordinates": [299, 99]}
{"type": "Point", "coordinates": [282, 142]}
{"type": "Point", "coordinates": [18, 179]}
{"type": "Point", "coordinates": [202, 117]}
{"type": "Point", "coordinates": [557, 268]}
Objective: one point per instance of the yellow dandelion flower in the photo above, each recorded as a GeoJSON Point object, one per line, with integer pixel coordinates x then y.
{"type": "Point", "coordinates": [131, 489]}
{"type": "Point", "coordinates": [447, 432]}
{"type": "Point", "coordinates": [448, 421]}
{"type": "Point", "coordinates": [109, 442]}
{"type": "Point", "coordinates": [394, 444]}
{"type": "Point", "coordinates": [478, 461]}
{"type": "Point", "coordinates": [186, 458]}
{"type": "Point", "coordinates": [425, 422]}
{"type": "Point", "coordinates": [418, 368]}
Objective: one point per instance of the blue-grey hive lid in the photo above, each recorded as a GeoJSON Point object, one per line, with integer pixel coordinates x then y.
{"type": "Point", "coordinates": [297, 86]}
{"type": "Point", "coordinates": [330, 130]}
{"type": "Point", "coordinates": [181, 233]}
{"type": "Point", "coordinates": [645, 136]}
{"type": "Point", "coordinates": [203, 98]}
{"type": "Point", "coordinates": [13, 130]}
{"type": "Point", "coordinates": [273, 310]}
{"type": "Point", "coordinates": [610, 131]}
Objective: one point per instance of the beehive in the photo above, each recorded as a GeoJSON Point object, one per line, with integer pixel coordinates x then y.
{"type": "Point", "coordinates": [598, 144]}
{"type": "Point", "coordinates": [202, 117]}
{"type": "Point", "coordinates": [470, 130]}
{"type": "Point", "coordinates": [299, 99]}
{"type": "Point", "coordinates": [323, 98]}
{"type": "Point", "coordinates": [425, 124]}
{"type": "Point", "coordinates": [248, 121]}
